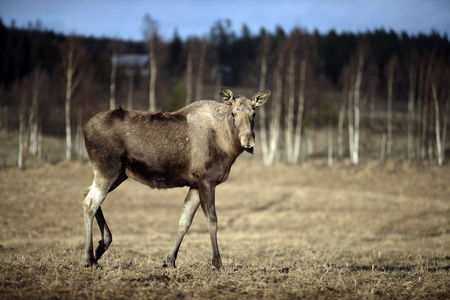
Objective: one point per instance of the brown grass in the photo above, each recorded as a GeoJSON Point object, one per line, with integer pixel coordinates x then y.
{"type": "Point", "coordinates": [284, 232]}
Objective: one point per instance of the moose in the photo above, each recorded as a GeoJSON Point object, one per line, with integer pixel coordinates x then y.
{"type": "Point", "coordinates": [194, 147]}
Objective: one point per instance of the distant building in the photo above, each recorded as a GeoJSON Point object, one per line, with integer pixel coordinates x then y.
{"type": "Point", "coordinates": [131, 60]}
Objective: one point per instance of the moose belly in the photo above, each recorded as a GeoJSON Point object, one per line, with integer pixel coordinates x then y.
{"type": "Point", "coordinates": [164, 176]}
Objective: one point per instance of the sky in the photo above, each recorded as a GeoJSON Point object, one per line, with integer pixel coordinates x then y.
{"type": "Point", "coordinates": [123, 19]}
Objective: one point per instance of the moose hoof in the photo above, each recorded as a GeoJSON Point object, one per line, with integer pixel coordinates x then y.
{"type": "Point", "coordinates": [169, 264]}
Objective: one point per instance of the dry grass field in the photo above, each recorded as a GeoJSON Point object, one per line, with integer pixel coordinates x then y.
{"type": "Point", "coordinates": [307, 231]}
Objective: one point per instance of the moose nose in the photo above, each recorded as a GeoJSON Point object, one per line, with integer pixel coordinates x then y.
{"type": "Point", "coordinates": [247, 141]}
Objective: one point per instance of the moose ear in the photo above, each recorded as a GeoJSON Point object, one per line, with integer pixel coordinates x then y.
{"type": "Point", "coordinates": [226, 95]}
{"type": "Point", "coordinates": [260, 98]}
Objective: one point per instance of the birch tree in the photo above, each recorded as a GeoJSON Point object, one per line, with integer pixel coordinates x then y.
{"type": "Point", "coordinates": [152, 39]}
{"type": "Point", "coordinates": [411, 106]}
{"type": "Point", "coordinates": [200, 71]}
{"type": "Point", "coordinates": [390, 85]}
{"type": "Point", "coordinates": [112, 85]}
{"type": "Point", "coordinates": [293, 122]}
{"type": "Point", "coordinates": [72, 53]}
{"type": "Point", "coordinates": [22, 129]}
{"type": "Point", "coordinates": [33, 120]}
{"type": "Point", "coordinates": [353, 108]}
{"type": "Point", "coordinates": [269, 138]}
{"type": "Point", "coordinates": [189, 63]}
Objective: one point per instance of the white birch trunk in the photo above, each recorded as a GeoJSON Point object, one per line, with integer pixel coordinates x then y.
{"type": "Point", "coordinates": [262, 111]}
{"type": "Point", "coordinates": [153, 71]}
{"type": "Point", "coordinates": [411, 110]}
{"type": "Point", "coordinates": [130, 73]}
{"type": "Point", "coordinates": [33, 119]}
{"type": "Point", "coordinates": [301, 108]}
{"type": "Point", "coordinates": [350, 123]}
{"type": "Point", "coordinates": [189, 73]}
{"type": "Point", "coordinates": [289, 119]}
{"type": "Point", "coordinates": [201, 66]}
{"type": "Point", "coordinates": [20, 155]}
{"type": "Point", "coordinates": [112, 86]}
{"type": "Point", "coordinates": [275, 121]}
{"type": "Point", "coordinates": [356, 104]}
{"type": "Point", "coordinates": [440, 156]}
{"type": "Point", "coordinates": [341, 118]}
{"type": "Point", "coordinates": [69, 77]}
{"type": "Point", "coordinates": [389, 110]}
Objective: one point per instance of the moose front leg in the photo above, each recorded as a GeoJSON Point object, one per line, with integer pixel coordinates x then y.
{"type": "Point", "coordinates": [207, 201]}
{"type": "Point", "coordinates": [190, 206]}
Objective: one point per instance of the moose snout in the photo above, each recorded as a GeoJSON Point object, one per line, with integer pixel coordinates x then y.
{"type": "Point", "coordinates": [247, 141]}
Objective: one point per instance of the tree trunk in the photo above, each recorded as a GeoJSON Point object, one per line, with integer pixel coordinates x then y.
{"type": "Point", "coordinates": [411, 109]}
{"type": "Point", "coordinates": [301, 108]}
{"type": "Point", "coordinates": [440, 154]}
{"type": "Point", "coordinates": [356, 104]}
{"type": "Point", "coordinates": [130, 73]}
{"type": "Point", "coordinates": [341, 119]}
{"type": "Point", "coordinates": [190, 59]}
{"type": "Point", "coordinates": [112, 87]}
{"type": "Point", "coordinates": [276, 112]}
{"type": "Point", "coordinates": [330, 144]}
{"type": "Point", "coordinates": [22, 125]}
{"type": "Point", "coordinates": [383, 148]}
{"type": "Point", "coordinates": [351, 128]}
{"type": "Point", "coordinates": [201, 66]}
{"type": "Point", "coordinates": [289, 118]}
{"type": "Point", "coordinates": [419, 113]}
{"type": "Point", "coordinates": [262, 110]}
{"type": "Point", "coordinates": [153, 70]}
{"type": "Point", "coordinates": [389, 109]}
{"type": "Point", "coordinates": [69, 77]}
{"type": "Point", "coordinates": [33, 119]}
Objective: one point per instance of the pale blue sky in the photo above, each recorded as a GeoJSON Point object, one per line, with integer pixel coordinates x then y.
{"type": "Point", "coordinates": [124, 18]}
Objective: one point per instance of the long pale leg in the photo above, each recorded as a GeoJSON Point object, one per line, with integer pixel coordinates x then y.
{"type": "Point", "coordinates": [91, 205]}
{"type": "Point", "coordinates": [191, 203]}
{"type": "Point", "coordinates": [207, 200]}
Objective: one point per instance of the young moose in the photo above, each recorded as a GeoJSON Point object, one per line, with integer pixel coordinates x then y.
{"type": "Point", "coordinates": [194, 146]}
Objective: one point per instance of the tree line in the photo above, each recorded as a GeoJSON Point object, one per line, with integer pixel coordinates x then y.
{"type": "Point", "coordinates": [378, 94]}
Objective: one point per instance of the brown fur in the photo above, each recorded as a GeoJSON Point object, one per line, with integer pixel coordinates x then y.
{"type": "Point", "coordinates": [194, 146]}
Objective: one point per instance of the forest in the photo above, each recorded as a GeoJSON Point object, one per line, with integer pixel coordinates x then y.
{"type": "Point", "coordinates": [376, 94]}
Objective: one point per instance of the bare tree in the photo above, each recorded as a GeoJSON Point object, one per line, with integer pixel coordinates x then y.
{"type": "Point", "coordinates": [439, 86]}
{"type": "Point", "coordinates": [112, 86]}
{"type": "Point", "coordinates": [190, 61]}
{"type": "Point", "coordinates": [269, 138]}
{"type": "Point", "coordinates": [33, 120]}
{"type": "Point", "coordinates": [353, 107]}
{"type": "Point", "coordinates": [341, 118]}
{"type": "Point", "coordinates": [22, 129]}
{"type": "Point", "coordinates": [152, 39]}
{"type": "Point", "coordinates": [201, 67]}
{"type": "Point", "coordinates": [390, 70]}
{"type": "Point", "coordinates": [72, 53]}
{"type": "Point", "coordinates": [293, 122]}
{"type": "Point", "coordinates": [301, 107]}
{"type": "Point", "coordinates": [411, 108]}
{"type": "Point", "coordinates": [289, 118]}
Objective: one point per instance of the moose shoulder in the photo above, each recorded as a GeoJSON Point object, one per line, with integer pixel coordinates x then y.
{"type": "Point", "coordinates": [194, 146]}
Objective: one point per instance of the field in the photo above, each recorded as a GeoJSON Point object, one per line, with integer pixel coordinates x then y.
{"type": "Point", "coordinates": [307, 231]}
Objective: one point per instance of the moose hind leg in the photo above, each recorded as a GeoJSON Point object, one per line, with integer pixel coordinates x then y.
{"type": "Point", "coordinates": [91, 205]}
{"type": "Point", "coordinates": [190, 206]}
{"type": "Point", "coordinates": [106, 240]}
